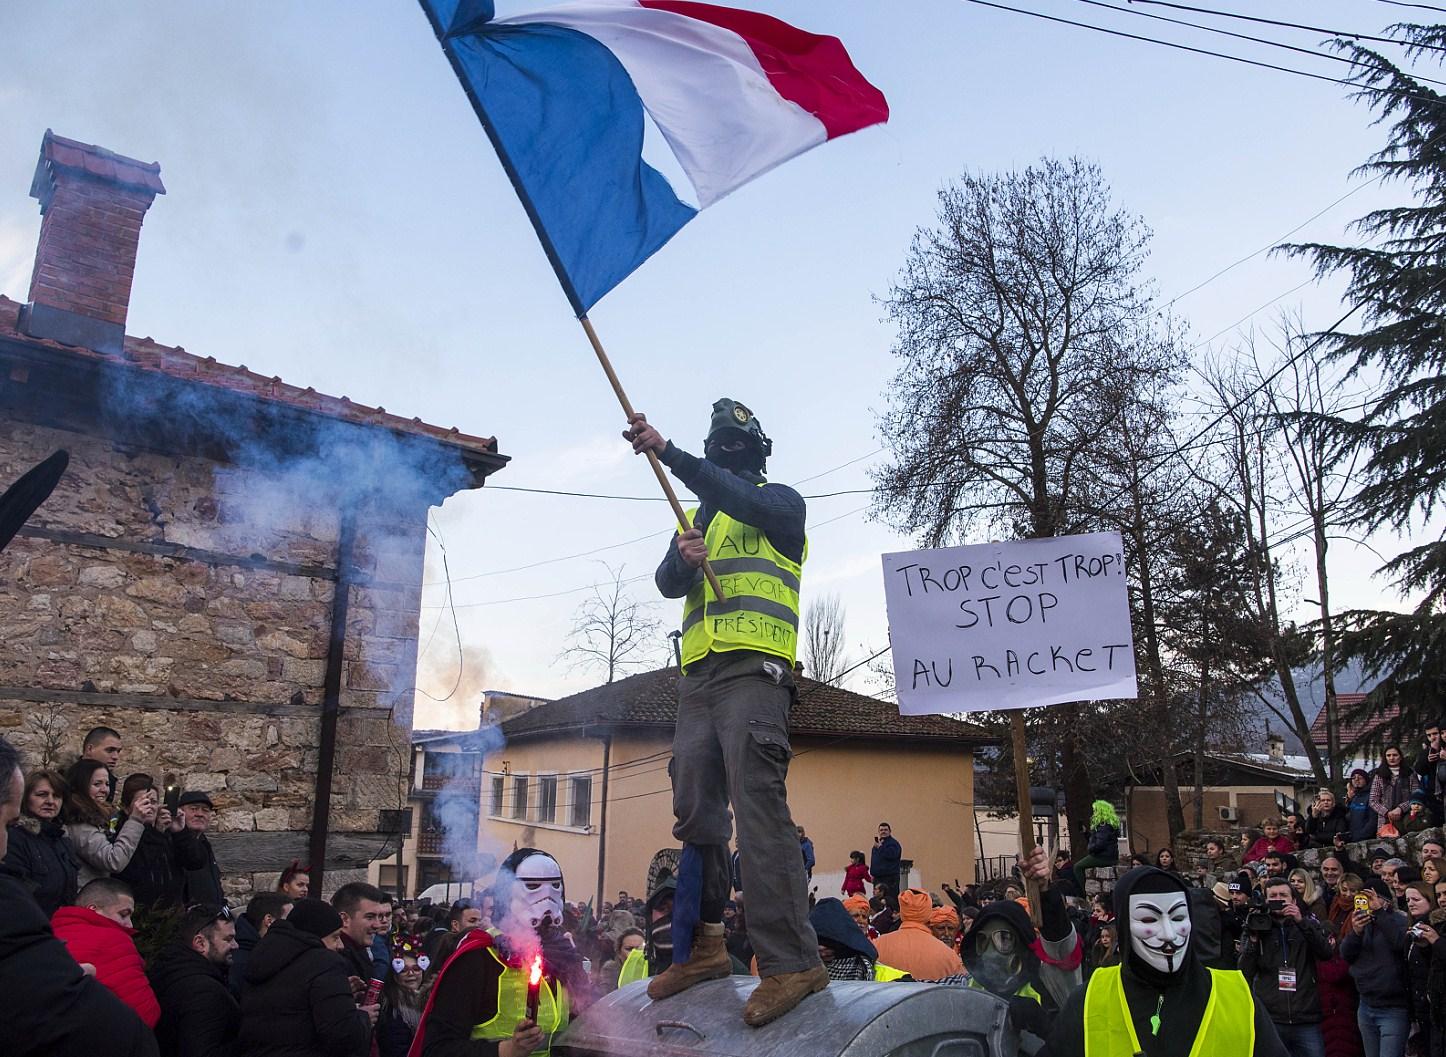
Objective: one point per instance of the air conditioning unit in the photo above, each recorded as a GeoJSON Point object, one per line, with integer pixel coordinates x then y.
{"type": "Point", "coordinates": [1229, 814]}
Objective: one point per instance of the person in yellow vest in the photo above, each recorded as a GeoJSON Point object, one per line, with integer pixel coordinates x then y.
{"type": "Point", "coordinates": [1035, 971]}
{"type": "Point", "coordinates": [478, 1002]}
{"type": "Point", "coordinates": [1161, 1000]}
{"type": "Point", "coordinates": [731, 743]}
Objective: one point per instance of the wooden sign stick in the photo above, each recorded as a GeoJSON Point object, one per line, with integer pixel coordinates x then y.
{"type": "Point", "coordinates": [1026, 807]}
{"type": "Point", "coordinates": [658, 471]}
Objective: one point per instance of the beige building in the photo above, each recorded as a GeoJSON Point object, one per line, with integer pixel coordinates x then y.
{"type": "Point", "coordinates": [586, 779]}
{"type": "Point", "coordinates": [1240, 789]}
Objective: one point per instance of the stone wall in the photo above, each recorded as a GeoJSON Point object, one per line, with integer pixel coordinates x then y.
{"type": "Point", "coordinates": [188, 604]}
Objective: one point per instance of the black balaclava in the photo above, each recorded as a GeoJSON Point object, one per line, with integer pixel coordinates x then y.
{"type": "Point", "coordinates": [730, 420]}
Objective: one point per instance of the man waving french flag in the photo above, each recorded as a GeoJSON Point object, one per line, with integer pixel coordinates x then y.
{"type": "Point", "coordinates": [562, 92]}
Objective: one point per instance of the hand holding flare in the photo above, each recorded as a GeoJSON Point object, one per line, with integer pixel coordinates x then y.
{"type": "Point", "coordinates": [534, 988]}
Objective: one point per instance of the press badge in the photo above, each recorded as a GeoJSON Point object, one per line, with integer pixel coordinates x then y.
{"type": "Point", "coordinates": [1287, 979]}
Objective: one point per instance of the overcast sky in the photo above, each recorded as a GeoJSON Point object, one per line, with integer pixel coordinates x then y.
{"type": "Point", "coordinates": [335, 216]}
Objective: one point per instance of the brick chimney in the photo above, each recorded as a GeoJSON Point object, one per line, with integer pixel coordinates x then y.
{"type": "Point", "coordinates": [92, 202]}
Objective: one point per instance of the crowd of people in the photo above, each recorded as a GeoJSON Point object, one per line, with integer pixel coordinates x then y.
{"type": "Point", "coordinates": [1341, 957]}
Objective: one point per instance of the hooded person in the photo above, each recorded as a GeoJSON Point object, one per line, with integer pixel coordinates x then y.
{"type": "Point", "coordinates": [656, 953]}
{"type": "Point", "coordinates": [846, 952]}
{"type": "Point", "coordinates": [1161, 1000]}
{"type": "Point", "coordinates": [1033, 970]}
{"type": "Point", "coordinates": [912, 946]}
{"type": "Point", "coordinates": [731, 743]}
{"type": "Point", "coordinates": [481, 992]}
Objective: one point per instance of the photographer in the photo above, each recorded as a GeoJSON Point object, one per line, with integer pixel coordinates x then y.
{"type": "Point", "coordinates": [1278, 956]}
{"type": "Point", "coordinates": [1374, 946]}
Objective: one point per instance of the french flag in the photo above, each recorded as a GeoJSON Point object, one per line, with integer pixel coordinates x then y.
{"type": "Point", "coordinates": [562, 93]}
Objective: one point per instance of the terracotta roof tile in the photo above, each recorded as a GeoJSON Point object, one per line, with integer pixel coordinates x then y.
{"type": "Point", "coordinates": [148, 355]}
{"type": "Point", "coordinates": [651, 700]}
{"type": "Point", "coordinates": [1355, 727]}
{"type": "Point", "coordinates": [66, 153]}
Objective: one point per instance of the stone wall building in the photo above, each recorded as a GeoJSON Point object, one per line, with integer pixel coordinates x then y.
{"type": "Point", "coordinates": [229, 573]}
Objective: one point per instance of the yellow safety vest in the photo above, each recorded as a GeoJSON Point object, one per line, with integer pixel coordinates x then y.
{"type": "Point", "coordinates": [553, 1008]}
{"type": "Point", "coordinates": [884, 973]}
{"type": "Point", "coordinates": [760, 611]}
{"type": "Point", "coordinates": [1027, 991]}
{"type": "Point", "coordinates": [1227, 1028]}
{"type": "Point", "coordinates": [635, 968]}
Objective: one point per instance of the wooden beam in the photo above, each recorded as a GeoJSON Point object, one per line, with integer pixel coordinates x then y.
{"type": "Point", "coordinates": [44, 696]}
{"type": "Point", "coordinates": [176, 550]}
{"type": "Point", "coordinates": [260, 852]}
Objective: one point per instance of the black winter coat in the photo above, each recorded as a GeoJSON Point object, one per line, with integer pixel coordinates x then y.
{"type": "Point", "coordinates": [297, 1001]}
{"type": "Point", "coordinates": [156, 872]}
{"type": "Point", "coordinates": [1377, 958]}
{"type": "Point", "coordinates": [46, 862]}
{"type": "Point", "coordinates": [1320, 831]}
{"type": "Point", "coordinates": [1104, 843]}
{"type": "Point", "coordinates": [246, 940]}
{"type": "Point", "coordinates": [199, 1015]}
{"type": "Point", "coordinates": [52, 1008]}
{"type": "Point", "coordinates": [1292, 947]}
{"type": "Point", "coordinates": [203, 883]}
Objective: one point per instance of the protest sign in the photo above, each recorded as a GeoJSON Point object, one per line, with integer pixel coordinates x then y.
{"type": "Point", "coordinates": [1010, 625]}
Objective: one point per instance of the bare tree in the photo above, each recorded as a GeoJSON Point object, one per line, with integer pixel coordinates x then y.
{"type": "Point", "coordinates": [825, 657]}
{"type": "Point", "coordinates": [1018, 316]}
{"type": "Point", "coordinates": [48, 727]}
{"type": "Point", "coordinates": [612, 631]}
{"type": "Point", "coordinates": [1251, 485]}
{"type": "Point", "coordinates": [1319, 473]}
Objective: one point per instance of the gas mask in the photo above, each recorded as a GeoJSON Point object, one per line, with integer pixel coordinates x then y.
{"type": "Point", "coordinates": [540, 890]}
{"type": "Point", "coordinates": [998, 962]}
{"type": "Point", "coordinates": [1160, 929]}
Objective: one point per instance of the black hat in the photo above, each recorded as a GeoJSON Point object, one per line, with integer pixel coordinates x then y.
{"type": "Point", "coordinates": [1382, 853]}
{"type": "Point", "coordinates": [196, 796]}
{"type": "Point", "coordinates": [316, 917]}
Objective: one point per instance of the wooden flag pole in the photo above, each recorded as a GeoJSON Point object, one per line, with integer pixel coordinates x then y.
{"type": "Point", "coordinates": [658, 471]}
{"type": "Point", "coordinates": [1026, 807]}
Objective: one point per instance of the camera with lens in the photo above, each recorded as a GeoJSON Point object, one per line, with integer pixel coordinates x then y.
{"type": "Point", "coordinates": [1263, 913]}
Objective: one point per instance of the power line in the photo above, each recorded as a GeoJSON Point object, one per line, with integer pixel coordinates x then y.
{"type": "Point", "coordinates": [1314, 53]}
{"type": "Point", "coordinates": [1169, 44]}
{"type": "Point", "coordinates": [1275, 22]}
{"type": "Point", "coordinates": [1403, 3]}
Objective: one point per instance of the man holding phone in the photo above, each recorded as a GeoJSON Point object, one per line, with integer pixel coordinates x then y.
{"type": "Point", "coordinates": [1280, 949]}
{"type": "Point", "coordinates": [1374, 945]}
{"type": "Point", "coordinates": [1431, 765]}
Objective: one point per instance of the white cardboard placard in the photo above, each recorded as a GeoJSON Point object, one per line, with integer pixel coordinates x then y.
{"type": "Point", "coordinates": [1010, 625]}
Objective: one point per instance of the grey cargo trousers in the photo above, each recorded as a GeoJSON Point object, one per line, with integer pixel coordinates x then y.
{"type": "Point", "coordinates": [731, 745]}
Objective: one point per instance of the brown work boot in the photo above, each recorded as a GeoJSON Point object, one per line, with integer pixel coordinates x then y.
{"type": "Point", "coordinates": [708, 962]}
{"type": "Point", "coordinates": [776, 995]}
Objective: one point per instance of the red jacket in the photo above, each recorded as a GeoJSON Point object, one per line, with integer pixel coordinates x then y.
{"type": "Point", "coordinates": [1263, 846]}
{"type": "Point", "coordinates": [108, 946]}
{"type": "Point", "coordinates": [855, 874]}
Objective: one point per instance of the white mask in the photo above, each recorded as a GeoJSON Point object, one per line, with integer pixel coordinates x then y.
{"type": "Point", "coordinates": [540, 881]}
{"type": "Point", "coordinates": [1160, 929]}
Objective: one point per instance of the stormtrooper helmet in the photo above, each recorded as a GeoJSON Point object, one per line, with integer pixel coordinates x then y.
{"type": "Point", "coordinates": [538, 890]}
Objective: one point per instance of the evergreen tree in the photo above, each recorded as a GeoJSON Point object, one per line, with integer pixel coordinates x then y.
{"type": "Point", "coordinates": [1398, 285]}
